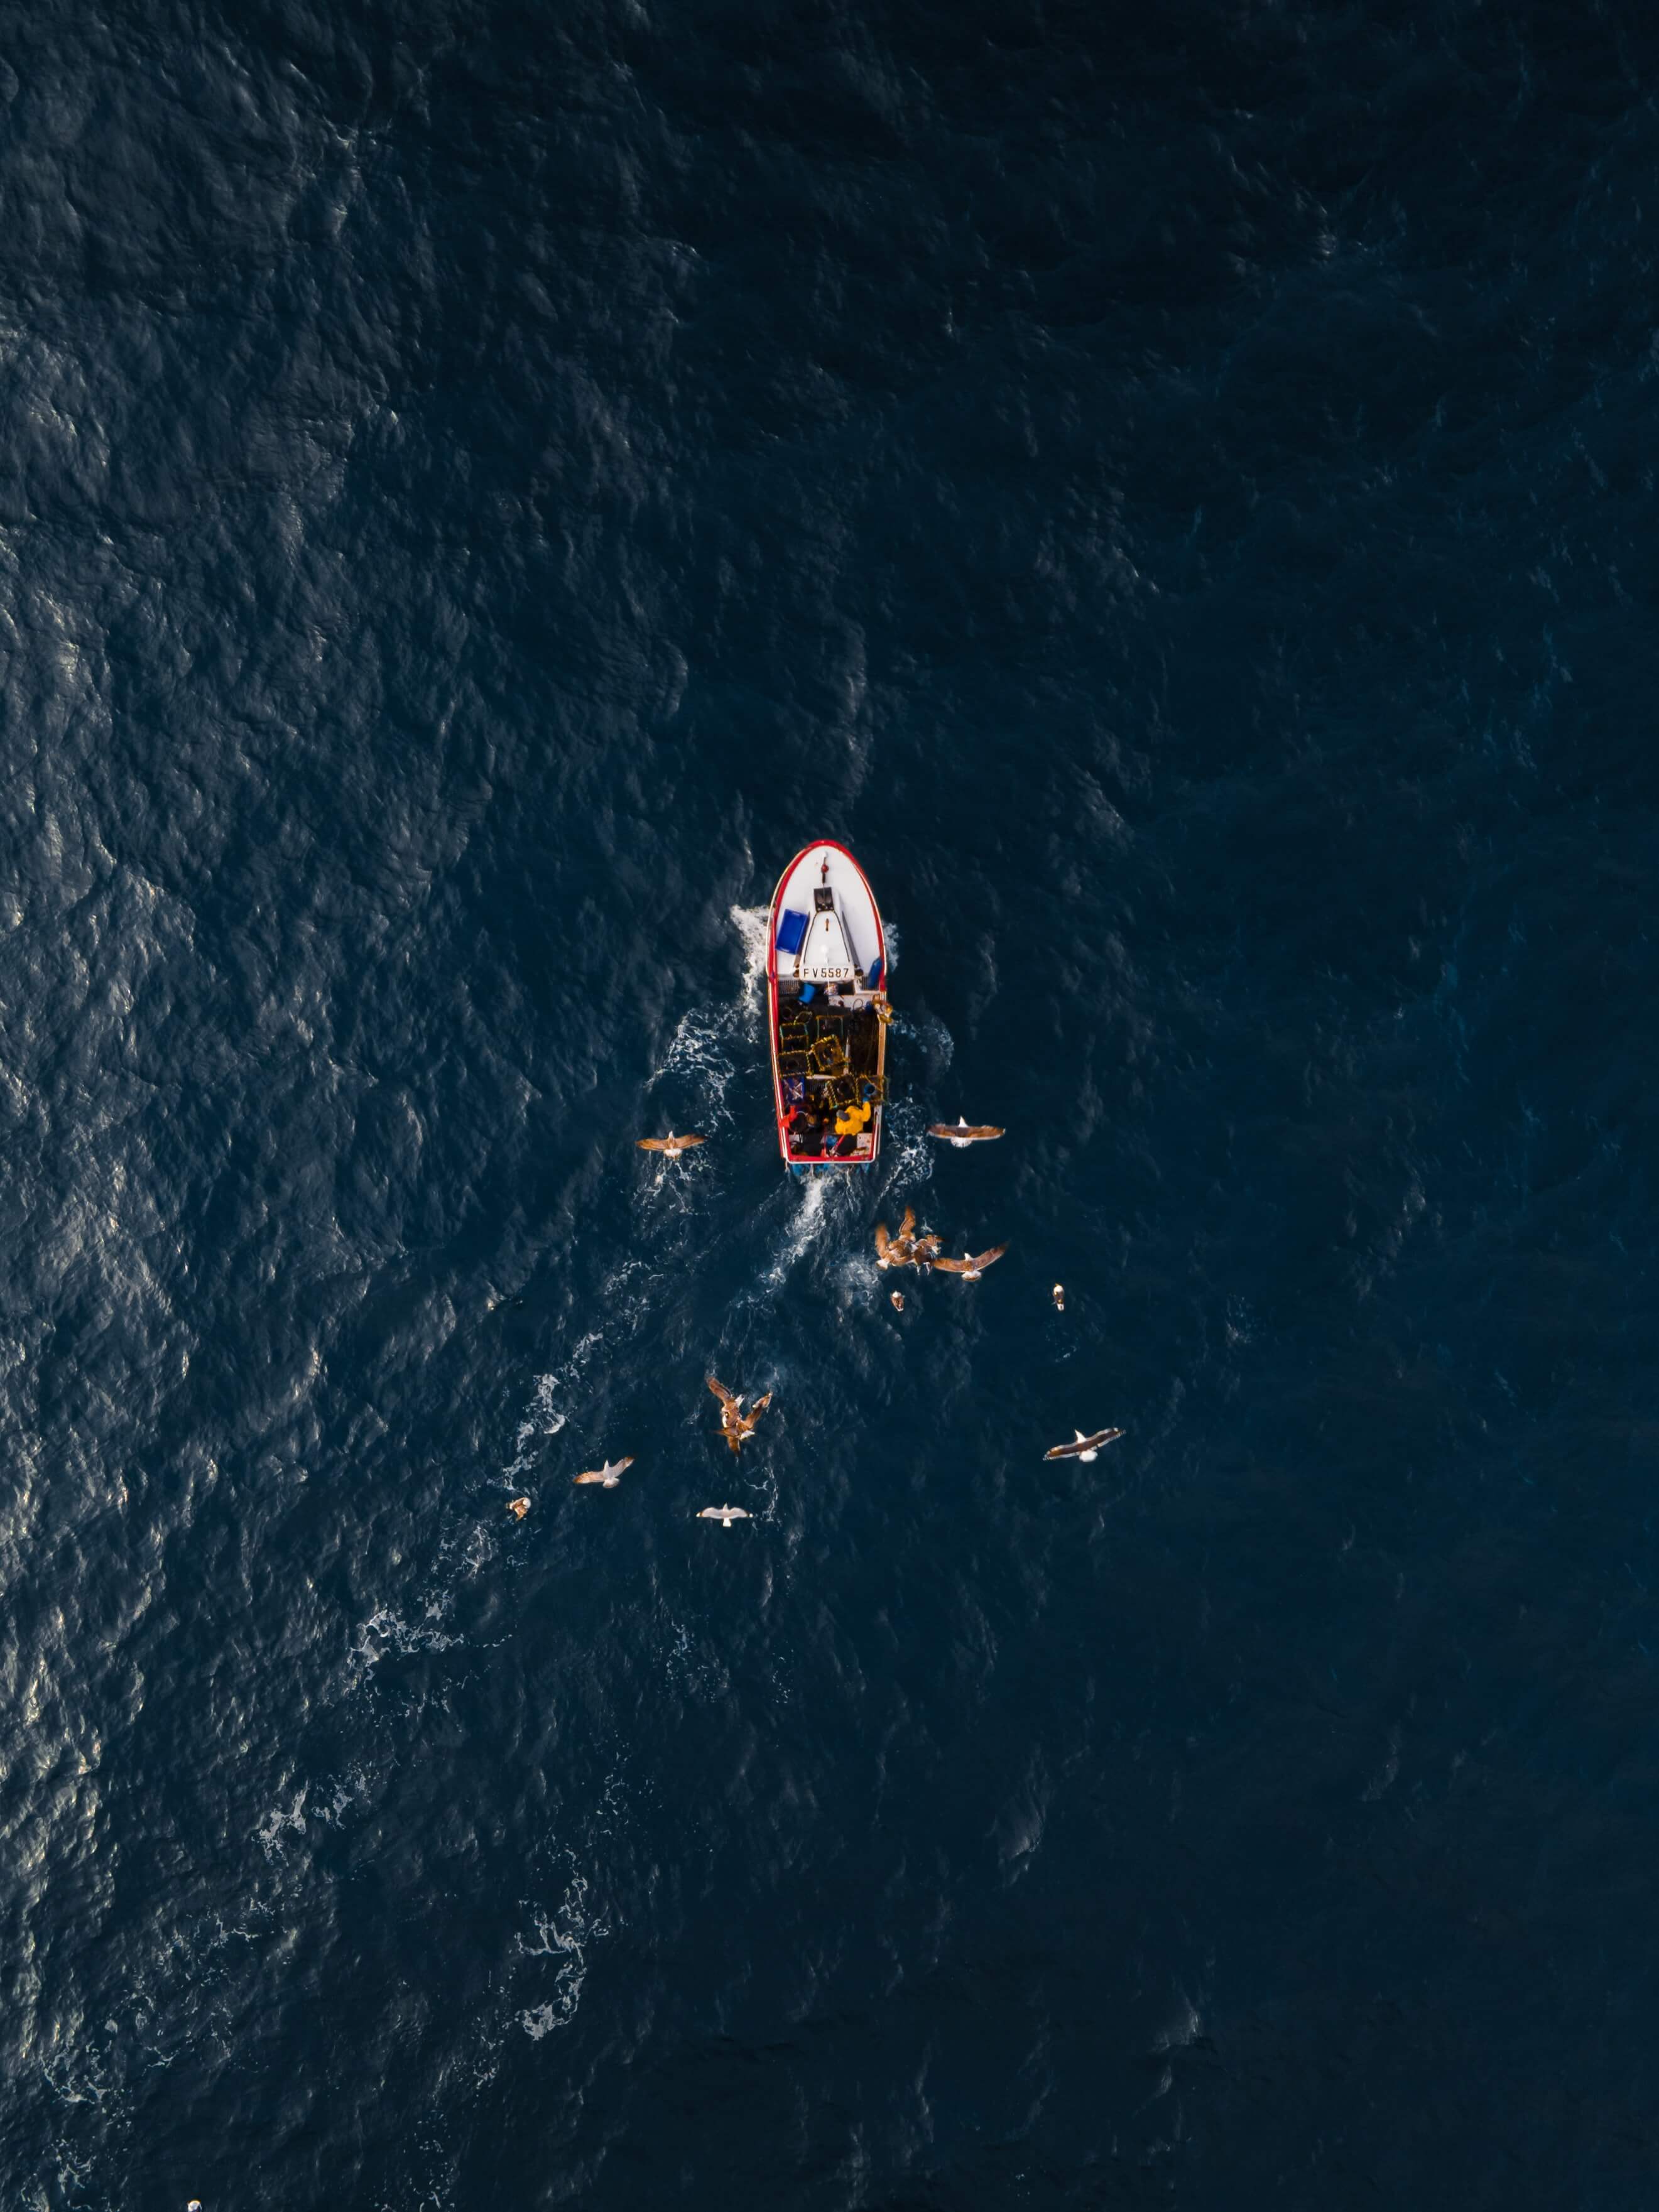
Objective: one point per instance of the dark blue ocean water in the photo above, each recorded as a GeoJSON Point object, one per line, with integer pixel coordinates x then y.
{"type": "Point", "coordinates": [1172, 487]}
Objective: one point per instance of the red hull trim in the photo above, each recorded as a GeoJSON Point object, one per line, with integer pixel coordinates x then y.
{"type": "Point", "coordinates": [795, 1159]}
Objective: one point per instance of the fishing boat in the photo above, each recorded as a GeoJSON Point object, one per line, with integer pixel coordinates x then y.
{"type": "Point", "coordinates": [827, 1013]}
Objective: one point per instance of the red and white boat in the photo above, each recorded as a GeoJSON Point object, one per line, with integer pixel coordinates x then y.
{"type": "Point", "coordinates": [827, 1010]}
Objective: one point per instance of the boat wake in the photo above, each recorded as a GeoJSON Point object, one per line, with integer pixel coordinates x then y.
{"type": "Point", "coordinates": [824, 1206]}
{"type": "Point", "coordinates": [387, 1635]}
{"type": "Point", "coordinates": [542, 1419]}
{"type": "Point", "coordinates": [907, 1148]}
{"type": "Point", "coordinates": [563, 1936]}
{"type": "Point", "coordinates": [749, 922]}
{"type": "Point", "coordinates": [622, 1299]}
{"type": "Point", "coordinates": [712, 1041]}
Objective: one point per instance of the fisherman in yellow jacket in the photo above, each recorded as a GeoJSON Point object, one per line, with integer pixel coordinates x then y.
{"type": "Point", "coordinates": [854, 1118]}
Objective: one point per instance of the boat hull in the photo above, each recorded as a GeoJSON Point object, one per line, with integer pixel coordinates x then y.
{"type": "Point", "coordinates": [826, 986]}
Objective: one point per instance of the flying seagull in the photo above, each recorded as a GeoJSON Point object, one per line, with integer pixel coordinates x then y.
{"type": "Point", "coordinates": [971, 1268]}
{"type": "Point", "coordinates": [518, 1507]}
{"type": "Point", "coordinates": [726, 1514]}
{"type": "Point", "coordinates": [895, 1251]}
{"type": "Point", "coordinates": [672, 1145]}
{"type": "Point", "coordinates": [1085, 1447]}
{"type": "Point", "coordinates": [737, 1426]}
{"type": "Point", "coordinates": [609, 1475]}
{"type": "Point", "coordinates": [981, 1133]}
{"type": "Point", "coordinates": [906, 1249]}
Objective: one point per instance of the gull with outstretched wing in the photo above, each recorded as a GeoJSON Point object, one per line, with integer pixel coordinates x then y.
{"type": "Point", "coordinates": [610, 1474]}
{"type": "Point", "coordinates": [906, 1249]}
{"type": "Point", "coordinates": [1084, 1448]}
{"type": "Point", "coordinates": [737, 1426]}
{"type": "Point", "coordinates": [964, 1133]}
{"type": "Point", "coordinates": [974, 1265]}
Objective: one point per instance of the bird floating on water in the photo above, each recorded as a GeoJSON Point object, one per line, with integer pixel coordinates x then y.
{"type": "Point", "coordinates": [518, 1507]}
{"type": "Point", "coordinates": [726, 1514]}
{"type": "Point", "coordinates": [906, 1249]}
{"type": "Point", "coordinates": [1058, 1296]}
{"type": "Point", "coordinates": [1085, 1447]}
{"type": "Point", "coordinates": [964, 1132]}
{"type": "Point", "coordinates": [974, 1265]}
{"type": "Point", "coordinates": [672, 1145]}
{"type": "Point", "coordinates": [737, 1426]}
{"type": "Point", "coordinates": [609, 1475]}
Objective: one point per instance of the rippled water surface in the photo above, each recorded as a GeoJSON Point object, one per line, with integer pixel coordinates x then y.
{"type": "Point", "coordinates": [1174, 490]}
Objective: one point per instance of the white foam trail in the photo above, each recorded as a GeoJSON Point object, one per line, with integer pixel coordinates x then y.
{"type": "Point", "coordinates": [907, 1148]}
{"type": "Point", "coordinates": [1183, 2030]}
{"type": "Point", "coordinates": [751, 924]}
{"type": "Point", "coordinates": [935, 1038]}
{"type": "Point", "coordinates": [542, 1419]}
{"type": "Point", "coordinates": [563, 1934]}
{"type": "Point", "coordinates": [804, 1229]}
{"type": "Point", "coordinates": [703, 1050]}
{"type": "Point", "coordinates": [696, 1668]}
{"type": "Point", "coordinates": [276, 1824]}
{"type": "Point", "coordinates": [349, 1791]}
{"type": "Point", "coordinates": [385, 1633]}
{"type": "Point", "coordinates": [860, 1278]}
{"type": "Point", "coordinates": [697, 1055]}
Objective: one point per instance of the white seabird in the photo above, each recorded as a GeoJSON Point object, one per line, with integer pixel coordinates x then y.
{"type": "Point", "coordinates": [609, 1475]}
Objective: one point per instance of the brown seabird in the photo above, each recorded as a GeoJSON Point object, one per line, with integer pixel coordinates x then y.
{"type": "Point", "coordinates": [1085, 1447]}
{"type": "Point", "coordinates": [964, 1132]}
{"type": "Point", "coordinates": [974, 1265]}
{"type": "Point", "coordinates": [737, 1426]}
{"type": "Point", "coordinates": [906, 1249]}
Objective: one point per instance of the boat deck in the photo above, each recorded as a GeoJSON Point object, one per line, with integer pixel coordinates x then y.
{"type": "Point", "coordinates": [826, 966]}
{"type": "Point", "coordinates": [830, 1056]}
